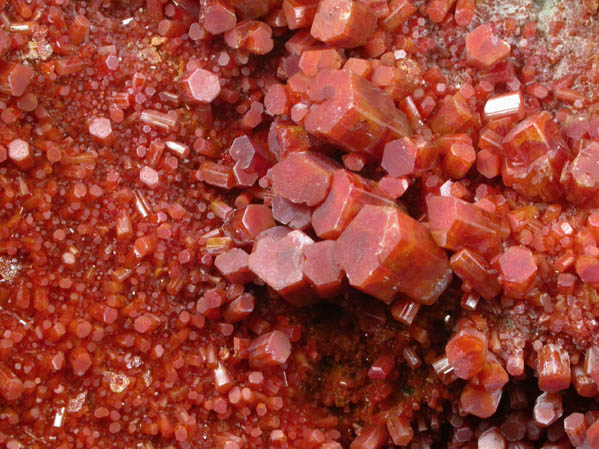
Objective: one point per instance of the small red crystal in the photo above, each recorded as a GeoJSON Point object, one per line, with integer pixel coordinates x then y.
{"type": "Point", "coordinates": [299, 13]}
{"type": "Point", "coordinates": [199, 86]}
{"type": "Point", "coordinates": [553, 368]}
{"type": "Point", "coordinates": [518, 269]}
{"type": "Point", "coordinates": [576, 428]}
{"type": "Point", "coordinates": [20, 154]}
{"type": "Point", "coordinates": [371, 437]}
{"type": "Point", "coordinates": [476, 401]}
{"type": "Point", "coordinates": [296, 216]}
{"type": "Point", "coordinates": [245, 224]}
{"type": "Point", "coordinates": [219, 17]}
{"type": "Point", "coordinates": [233, 264]}
{"type": "Point", "coordinates": [346, 23]}
{"type": "Point", "coordinates": [491, 439]}
{"type": "Point", "coordinates": [279, 263]}
{"type": "Point", "coordinates": [400, 430]}
{"type": "Point", "coordinates": [548, 409]}
{"type": "Point", "coordinates": [270, 349]}
{"type": "Point", "coordinates": [321, 268]}
{"type": "Point", "coordinates": [11, 387]}
{"type": "Point", "coordinates": [303, 178]}
{"type": "Point", "coordinates": [484, 49]}
{"type": "Point", "coordinates": [14, 78]}
{"type": "Point", "coordinates": [457, 224]}
{"type": "Point", "coordinates": [466, 352]}
{"type": "Point", "coordinates": [471, 267]}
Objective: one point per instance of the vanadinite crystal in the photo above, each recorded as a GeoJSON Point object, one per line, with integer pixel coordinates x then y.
{"type": "Point", "coordinates": [384, 251]}
{"type": "Point", "coordinates": [299, 224]}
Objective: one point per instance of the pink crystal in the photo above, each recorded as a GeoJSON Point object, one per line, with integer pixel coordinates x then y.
{"type": "Point", "coordinates": [321, 268]}
{"type": "Point", "coordinates": [352, 113]}
{"type": "Point", "coordinates": [199, 86]}
{"type": "Point", "coordinates": [484, 49]}
{"type": "Point", "coordinates": [345, 23]}
{"type": "Point", "coordinates": [384, 251]}
{"type": "Point", "coordinates": [279, 263]}
{"type": "Point", "coordinates": [296, 216]}
{"type": "Point", "coordinates": [553, 368]}
{"type": "Point", "coordinates": [457, 224]}
{"type": "Point", "coordinates": [233, 265]}
{"type": "Point", "coordinates": [518, 269]}
{"type": "Point", "coordinates": [466, 352]}
{"type": "Point", "coordinates": [303, 178]}
{"type": "Point", "coordinates": [548, 409]}
{"type": "Point", "coordinates": [14, 78]}
{"type": "Point", "coordinates": [349, 193]}
{"type": "Point", "coordinates": [271, 349]}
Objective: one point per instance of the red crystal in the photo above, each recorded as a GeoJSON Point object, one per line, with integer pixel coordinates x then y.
{"type": "Point", "coordinates": [466, 352]}
{"type": "Point", "coordinates": [270, 349]}
{"type": "Point", "coordinates": [384, 251]}
{"type": "Point", "coordinates": [399, 12]}
{"type": "Point", "coordinates": [20, 154]}
{"type": "Point", "coordinates": [321, 268]}
{"type": "Point", "coordinates": [593, 435]}
{"type": "Point", "coordinates": [400, 430]}
{"type": "Point", "coordinates": [553, 368]}
{"type": "Point", "coordinates": [279, 263]}
{"type": "Point", "coordinates": [475, 400]}
{"type": "Point", "coordinates": [493, 376]}
{"type": "Point", "coordinates": [346, 23]}
{"type": "Point", "coordinates": [303, 177]}
{"type": "Point", "coordinates": [371, 437]}
{"type": "Point", "coordinates": [403, 157]}
{"type": "Point", "coordinates": [148, 149]}
{"type": "Point", "coordinates": [245, 224]}
{"type": "Point", "coordinates": [518, 270]}
{"type": "Point", "coordinates": [454, 116]}
{"type": "Point", "coordinates": [14, 78]}
{"type": "Point", "coordinates": [199, 86]}
{"type": "Point", "coordinates": [349, 193]}
{"type": "Point", "coordinates": [11, 387]}
{"type": "Point", "coordinates": [312, 61]}
{"type": "Point", "coordinates": [580, 178]}
{"type": "Point", "coordinates": [548, 409]}
{"type": "Point", "coordinates": [381, 367]}
{"type": "Point", "coordinates": [456, 224]}
{"type": "Point", "coordinates": [219, 17]}
{"type": "Point", "coordinates": [101, 130]}
{"type": "Point", "coordinates": [471, 267]}
{"type": "Point", "coordinates": [438, 9]}
{"type": "Point", "coordinates": [240, 308]}
{"type": "Point", "coordinates": [484, 49]}
{"type": "Point", "coordinates": [458, 160]}
{"type": "Point", "coordinates": [299, 13]}
{"type": "Point", "coordinates": [576, 428]}
{"type": "Point", "coordinates": [352, 113]}
{"type": "Point", "coordinates": [505, 105]}
{"type": "Point", "coordinates": [491, 439]}
{"type": "Point", "coordinates": [233, 264]}
{"type": "Point", "coordinates": [534, 157]}
{"type": "Point", "coordinates": [252, 35]}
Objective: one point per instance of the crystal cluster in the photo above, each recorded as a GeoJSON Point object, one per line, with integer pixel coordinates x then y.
{"type": "Point", "coordinates": [311, 224]}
